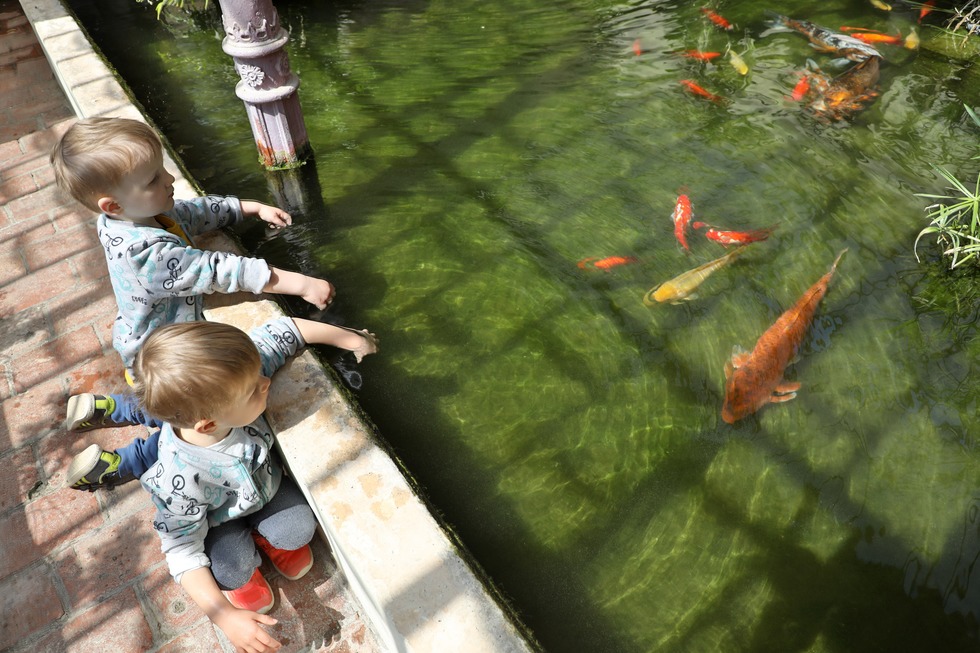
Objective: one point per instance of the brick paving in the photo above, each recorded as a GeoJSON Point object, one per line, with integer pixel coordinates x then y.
{"type": "Point", "coordinates": [83, 571]}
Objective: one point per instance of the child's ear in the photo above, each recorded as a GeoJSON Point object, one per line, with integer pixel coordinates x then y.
{"type": "Point", "coordinates": [205, 426]}
{"type": "Point", "coordinates": [109, 205]}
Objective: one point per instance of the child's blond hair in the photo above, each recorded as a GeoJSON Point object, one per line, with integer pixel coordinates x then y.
{"type": "Point", "coordinates": [193, 370]}
{"type": "Point", "coordinates": [92, 157]}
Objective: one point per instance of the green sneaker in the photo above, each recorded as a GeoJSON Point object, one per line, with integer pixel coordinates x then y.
{"type": "Point", "coordinates": [87, 412]}
{"type": "Point", "coordinates": [94, 468]}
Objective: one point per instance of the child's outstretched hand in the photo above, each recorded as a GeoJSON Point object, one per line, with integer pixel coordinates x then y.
{"type": "Point", "coordinates": [319, 292]}
{"type": "Point", "coordinates": [274, 216]}
{"type": "Point", "coordinates": [244, 630]}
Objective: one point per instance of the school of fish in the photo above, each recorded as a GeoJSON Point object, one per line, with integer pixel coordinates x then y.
{"type": "Point", "coordinates": [756, 378]}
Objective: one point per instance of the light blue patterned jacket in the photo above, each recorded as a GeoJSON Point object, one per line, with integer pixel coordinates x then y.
{"type": "Point", "coordinates": [197, 487]}
{"type": "Point", "coordinates": [158, 278]}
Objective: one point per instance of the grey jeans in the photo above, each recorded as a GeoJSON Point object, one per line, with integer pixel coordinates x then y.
{"type": "Point", "coordinates": [286, 521]}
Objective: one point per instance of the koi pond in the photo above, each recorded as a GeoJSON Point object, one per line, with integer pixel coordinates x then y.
{"type": "Point", "coordinates": [471, 154]}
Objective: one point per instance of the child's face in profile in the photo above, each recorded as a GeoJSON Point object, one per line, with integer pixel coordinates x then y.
{"type": "Point", "coordinates": [251, 403]}
{"type": "Point", "coordinates": [146, 191]}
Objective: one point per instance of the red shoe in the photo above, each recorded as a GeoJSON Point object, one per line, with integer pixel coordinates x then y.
{"type": "Point", "coordinates": [255, 595]}
{"type": "Point", "coordinates": [291, 564]}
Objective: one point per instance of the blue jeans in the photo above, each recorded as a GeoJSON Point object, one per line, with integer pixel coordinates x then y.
{"type": "Point", "coordinates": [139, 455]}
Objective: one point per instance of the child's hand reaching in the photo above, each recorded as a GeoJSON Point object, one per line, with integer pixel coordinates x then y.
{"type": "Point", "coordinates": [243, 629]}
{"type": "Point", "coordinates": [318, 292]}
{"type": "Point", "coordinates": [274, 216]}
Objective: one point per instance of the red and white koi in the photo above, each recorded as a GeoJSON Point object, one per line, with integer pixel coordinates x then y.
{"type": "Point", "coordinates": [727, 238]}
{"type": "Point", "coordinates": [682, 219]}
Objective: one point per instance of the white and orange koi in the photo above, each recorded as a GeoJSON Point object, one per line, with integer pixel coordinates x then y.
{"type": "Point", "coordinates": [681, 218]}
{"type": "Point", "coordinates": [726, 237]}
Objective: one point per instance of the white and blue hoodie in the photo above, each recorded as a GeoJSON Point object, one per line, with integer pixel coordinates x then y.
{"type": "Point", "coordinates": [158, 277]}
{"type": "Point", "coordinates": [196, 487]}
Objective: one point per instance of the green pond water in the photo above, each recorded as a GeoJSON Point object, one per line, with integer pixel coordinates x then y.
{"type": "Point", "coordinates": [470, 153]}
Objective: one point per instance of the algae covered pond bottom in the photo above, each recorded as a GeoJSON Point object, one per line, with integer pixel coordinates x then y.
{"type": "Point", "coordinates": [470, 154]}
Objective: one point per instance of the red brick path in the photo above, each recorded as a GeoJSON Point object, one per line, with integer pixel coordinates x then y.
{"type": "Point", "coordinates": [81, 571]}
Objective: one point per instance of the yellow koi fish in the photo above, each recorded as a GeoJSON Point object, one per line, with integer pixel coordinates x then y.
{"type": "Point", "coordinates": [912, 40]}
{"type": "Point", "coordinates": [681, 288]}
{"type": "Point", "coordinates": [878, 4]}
{"type": "Point", "coordinates": [738, 63]}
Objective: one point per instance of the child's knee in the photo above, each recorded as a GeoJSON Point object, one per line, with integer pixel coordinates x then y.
{"type": "Point", "coordinates": [232, 572]}
{"type": "Point", "coordinates": [289, 529]}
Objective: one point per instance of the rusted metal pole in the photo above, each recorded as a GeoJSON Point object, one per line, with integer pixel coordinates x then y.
{"type": "Point", "coordinates": [255, 40]}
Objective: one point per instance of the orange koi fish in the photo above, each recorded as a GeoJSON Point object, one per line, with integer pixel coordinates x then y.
{"type": "Point", "coordinates": [596, 263]}
{"type": "Point", "coordinates": [871, 36]}
{"type": "Point", "coordinates": [681, 288]}
{"type": "Point", "coordinates": [801, 89]}
{"type": "Point", "coordinates": [755, 379]}
{"type": "Point", "coordinates": [638, 49]}
{"type": "Point", "coordinates": [682, 218]}
{"type": "Point", "coordinates": [727, 238]}
{"type": "Point", "coordinates": [927, 7]}
{"type": "Point", "coordinates": [700, 92]}
{"type": "Point", "coordinates": [717, 19]}
{"type": "Point", "coordinates": [699, 55]}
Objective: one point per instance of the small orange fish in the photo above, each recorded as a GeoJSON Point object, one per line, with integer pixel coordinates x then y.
{"type": "Point", "coordinates": [717, 19]}
{"type": "Point", "coordinates": [927, 7]}
{"type": "Point", "coordinates": [699, 55]}
{"type": "Point", "coordinates": [727, 238]}
{"type": "Point", "coordinates": [700, 92]}
{"type": "Point", "coordinates": [596, 263]}
{"type": "Point", "coordinates": [638, 49]}
{"type": "Point", "coordinates": [682, 218]}
{"type": "Point", "coordinates": [801, 89]}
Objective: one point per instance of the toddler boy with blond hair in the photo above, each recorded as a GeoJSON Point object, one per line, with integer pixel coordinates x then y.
{"type": "Point", "coordinates": [115, 166]}
{"type": "Point", "coordinates": [220, 492]}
